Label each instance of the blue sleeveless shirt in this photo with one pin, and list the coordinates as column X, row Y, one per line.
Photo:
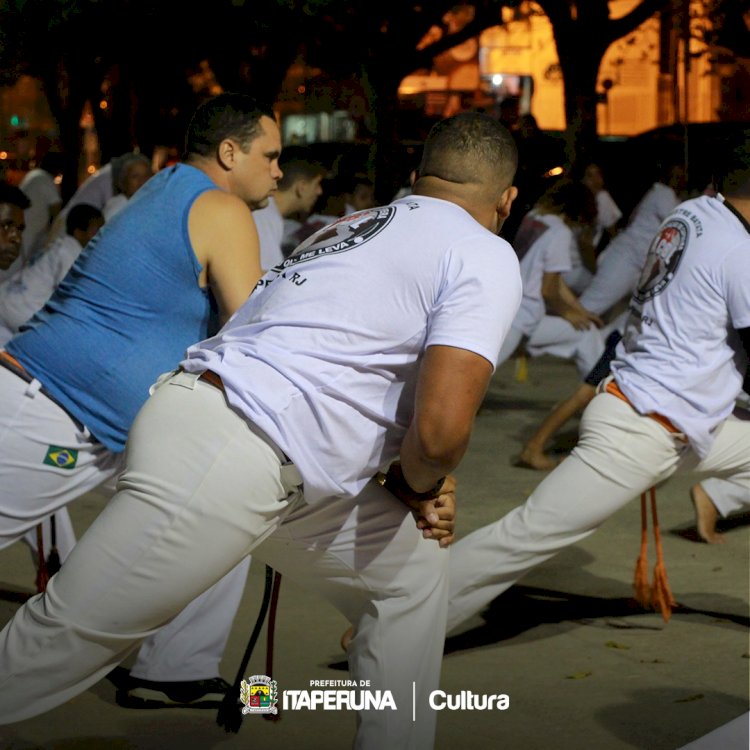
column 126, row 311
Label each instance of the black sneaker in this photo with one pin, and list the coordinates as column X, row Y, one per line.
column 137, row 693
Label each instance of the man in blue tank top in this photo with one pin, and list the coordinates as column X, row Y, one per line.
column 161, row 275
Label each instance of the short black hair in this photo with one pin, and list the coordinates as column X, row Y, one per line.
column 572, row 198
column 458, row 148
column 298, row 163
column 227, row 115
column 14, row 196
column 80, row 216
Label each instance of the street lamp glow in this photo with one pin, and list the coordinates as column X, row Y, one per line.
column 497, row 79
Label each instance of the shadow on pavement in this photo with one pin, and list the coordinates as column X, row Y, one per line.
column 521, row 609
column 723, row 525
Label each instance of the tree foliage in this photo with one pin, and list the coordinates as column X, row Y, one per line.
column 145, row 59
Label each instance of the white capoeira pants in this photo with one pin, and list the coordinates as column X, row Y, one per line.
column 727, row 497
column 617, row 274
column 620, row 454
column 555, row 336
column 32, row 430
column 200, row 491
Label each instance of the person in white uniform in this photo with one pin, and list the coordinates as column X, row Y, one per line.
column 551, row 320
column 134, row 170
column 608, row 213
column 26, row 291
column 619, row 266
column 95, row 190
column 295, row 195
column 42, row 190
column 668, row 406
column 72, row 381
column 341, row 365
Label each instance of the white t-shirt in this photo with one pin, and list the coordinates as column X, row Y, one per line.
column 39, row 186
column 607, row 212
column 656, row 204
column 22, row 294
column 607, row 215
column 270, row 225
column 324, row 355
column 543, row 242
column 677, row 357
column 95, row 190
column 114, row 205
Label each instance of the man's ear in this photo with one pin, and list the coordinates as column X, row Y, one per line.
column 505, row 202
column 225, row 154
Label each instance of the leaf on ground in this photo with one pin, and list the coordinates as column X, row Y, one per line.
column 578, row 675
column 615, row 644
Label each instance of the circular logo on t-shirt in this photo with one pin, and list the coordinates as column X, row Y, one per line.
column 662, row 260
column 346, row 233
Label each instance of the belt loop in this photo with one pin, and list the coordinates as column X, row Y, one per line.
column 32, row 388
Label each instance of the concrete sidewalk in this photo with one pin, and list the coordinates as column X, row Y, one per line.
column 583, row 667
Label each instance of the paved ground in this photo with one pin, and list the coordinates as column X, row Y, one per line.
column 582, row 667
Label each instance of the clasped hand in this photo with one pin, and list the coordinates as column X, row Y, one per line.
column 436, row 518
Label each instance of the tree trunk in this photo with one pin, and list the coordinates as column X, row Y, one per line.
column 384, row 106
column 580, row 73
column 66, row 87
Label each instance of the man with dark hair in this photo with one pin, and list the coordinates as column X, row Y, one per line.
column 295, row 195
column 148, row 285
column 13, row 202
column 367, row 351
column 667, row 407
column 359, row 193
column 26, row 291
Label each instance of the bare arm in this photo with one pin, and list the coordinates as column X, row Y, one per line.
column 561, row 301
column 452, row 383
column 225, row 241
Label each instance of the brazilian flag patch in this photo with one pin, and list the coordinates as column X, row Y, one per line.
column 62, row 458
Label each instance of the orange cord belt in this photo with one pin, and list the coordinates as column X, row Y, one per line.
column 656, row 595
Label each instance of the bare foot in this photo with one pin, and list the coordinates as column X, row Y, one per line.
column 534, row 459
column 346, row 638
column 706, row 515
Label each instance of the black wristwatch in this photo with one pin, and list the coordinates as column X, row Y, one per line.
column 395, row 482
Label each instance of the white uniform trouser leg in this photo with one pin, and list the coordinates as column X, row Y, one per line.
column 726, row 496
column 616, row 277
column 200, row 491
column 34, row 487
column 191, row 646
column 554, row 335
column 364, row 556
column 46, row 460
column 619, row 455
